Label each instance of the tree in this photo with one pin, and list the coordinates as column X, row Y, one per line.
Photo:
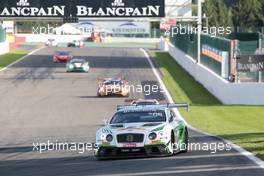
column 248, row 14
column 218, row 13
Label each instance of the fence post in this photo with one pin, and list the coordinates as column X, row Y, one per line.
column 260, row 52
column 199, row 23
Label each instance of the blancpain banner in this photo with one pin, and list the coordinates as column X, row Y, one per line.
column 82, row 8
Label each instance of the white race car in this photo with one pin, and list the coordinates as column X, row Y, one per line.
column 147, row 130
column 51, row 42
column 77, row 65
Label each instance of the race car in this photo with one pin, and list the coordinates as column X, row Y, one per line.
column 62, row 56
column 77, row 65
column 147, row 130
column 144, row 102
column 113, row 86
column 75, row 43
column 51, row 42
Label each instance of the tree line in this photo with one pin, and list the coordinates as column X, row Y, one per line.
column 242, row 15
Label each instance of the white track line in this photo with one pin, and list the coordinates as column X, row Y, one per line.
column 13, row 63
column 242, row 151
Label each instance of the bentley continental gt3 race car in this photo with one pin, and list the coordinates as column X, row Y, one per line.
column 77, row 65
column 146, row 130
column 112, row 86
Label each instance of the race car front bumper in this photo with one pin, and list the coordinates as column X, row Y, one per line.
column 110, row 152
column 78, row 69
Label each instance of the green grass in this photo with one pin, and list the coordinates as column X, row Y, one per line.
column 11, row 57
column 244, row 125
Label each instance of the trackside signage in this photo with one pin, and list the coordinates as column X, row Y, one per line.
column 82, row 8
column 250, row 63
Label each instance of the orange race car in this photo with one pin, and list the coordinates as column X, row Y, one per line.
column 112, row 86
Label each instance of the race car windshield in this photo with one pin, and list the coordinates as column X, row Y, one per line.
column 139, row 117
column 63, row 53
column 77, row 61
column 113, row 83
column 145, row 103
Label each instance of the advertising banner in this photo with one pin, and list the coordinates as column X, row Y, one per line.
column 8, row 26
column 115, row 27
column 82, row 8
column 250, row 63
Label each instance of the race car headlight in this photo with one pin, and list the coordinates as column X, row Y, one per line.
column 109, row 138
column 152, row 136
column 71, row 66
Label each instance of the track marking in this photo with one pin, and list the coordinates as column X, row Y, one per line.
column 22, row 58
column 239, row 149
column 185, row 171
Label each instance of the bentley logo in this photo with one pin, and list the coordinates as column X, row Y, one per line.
column 129, row 138
column 23, row 3
column 118, row 3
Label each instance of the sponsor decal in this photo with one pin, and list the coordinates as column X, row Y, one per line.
column 130, row 145
column 159, row 128
column 212, row 52
column 250, row 63
column 166, row 25
column 156, row 142
column 82, row 8
column 104, row 130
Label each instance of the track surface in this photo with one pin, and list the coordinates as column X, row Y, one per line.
column 40, row 102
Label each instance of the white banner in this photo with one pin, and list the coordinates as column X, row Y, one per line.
column 8, row 26
column 178, row 8
column 115, row 27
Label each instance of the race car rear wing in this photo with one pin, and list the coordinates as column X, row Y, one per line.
column 168, row 105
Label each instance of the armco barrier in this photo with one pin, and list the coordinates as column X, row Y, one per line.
column 226, row 92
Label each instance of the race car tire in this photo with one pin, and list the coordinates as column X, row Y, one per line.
column 171, row 145
column 186, row 141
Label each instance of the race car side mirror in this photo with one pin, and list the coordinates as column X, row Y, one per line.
column 105, row 121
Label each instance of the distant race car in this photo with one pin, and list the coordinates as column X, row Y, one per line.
column 150, row 130
column 75, row 43
column 62, row 56
column 112, row 86
column 51, row 42
column 77, row 65
column 145, row 102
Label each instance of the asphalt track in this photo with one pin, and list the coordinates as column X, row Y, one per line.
column 40, row 102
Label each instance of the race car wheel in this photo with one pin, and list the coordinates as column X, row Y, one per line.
column 171, row 146
column 186, row 141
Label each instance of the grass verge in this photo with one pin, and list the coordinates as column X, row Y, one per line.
column 243, row 125
column 11, row 57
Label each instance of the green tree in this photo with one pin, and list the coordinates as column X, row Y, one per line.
column 218, row 13
column 248, row 14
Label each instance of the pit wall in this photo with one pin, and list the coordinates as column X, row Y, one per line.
column 69, row 38
column 226, row 92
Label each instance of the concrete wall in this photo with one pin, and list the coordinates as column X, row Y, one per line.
column 226, row 92
column 4, row 47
